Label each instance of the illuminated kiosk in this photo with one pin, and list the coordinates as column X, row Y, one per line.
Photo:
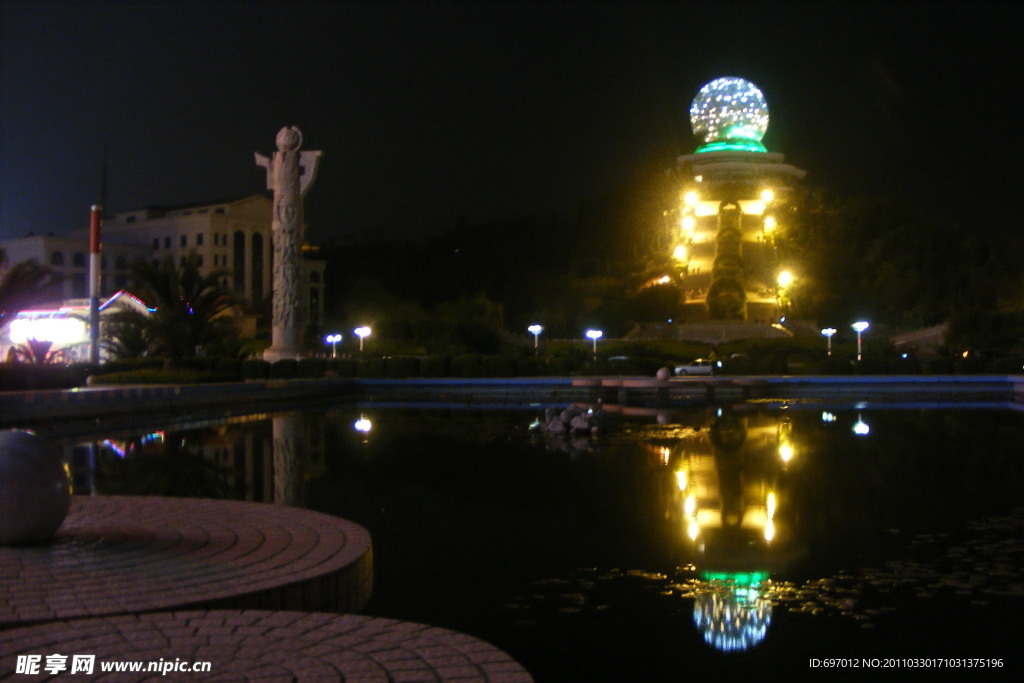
column 735, row 198
column 64, row 328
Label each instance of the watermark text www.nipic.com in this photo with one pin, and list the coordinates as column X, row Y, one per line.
column 906, row 663
column 86, row 664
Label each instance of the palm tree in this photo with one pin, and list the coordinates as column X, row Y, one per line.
column 23, row 286
column 189, row 311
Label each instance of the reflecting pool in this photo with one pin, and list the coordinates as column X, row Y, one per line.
column 657, row 545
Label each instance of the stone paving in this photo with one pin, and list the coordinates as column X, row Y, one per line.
column 255, row 645
column 117, row 555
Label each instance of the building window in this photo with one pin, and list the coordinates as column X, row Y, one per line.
column 167, row 242
column 221, row 210
column 257, row 266
column 57, row 258
column 182, row 261
column 78, row 286
column 78, row 259
column 200, row 260
column 184, row 240
column 130, row 219
column 156, row 242
column 239, row 261
column 199, row 240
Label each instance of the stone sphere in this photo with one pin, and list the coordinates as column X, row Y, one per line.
column 663, row 374
column 35, row 488
column 289, row 139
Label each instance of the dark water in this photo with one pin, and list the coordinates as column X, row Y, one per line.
column 736, row 541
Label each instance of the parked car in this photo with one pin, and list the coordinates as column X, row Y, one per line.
column 698, row 366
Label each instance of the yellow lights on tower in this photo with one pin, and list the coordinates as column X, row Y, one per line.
column 767, row 196
column 785, row 279
column 680, row 253
column 689, row 224
column 690, row 198
column 769, row 224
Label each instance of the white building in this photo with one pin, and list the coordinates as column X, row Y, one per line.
column 234, row 236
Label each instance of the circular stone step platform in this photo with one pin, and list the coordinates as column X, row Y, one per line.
column 124, row 554
column 265, row 646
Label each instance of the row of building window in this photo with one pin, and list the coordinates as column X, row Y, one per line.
column 78, row 259
column 219, row 240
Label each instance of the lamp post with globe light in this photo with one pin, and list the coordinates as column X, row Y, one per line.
column 362, row 333
column 595, row 335
column 828, row 332
column 333, row 340
column 859, row 327
column 535, row 330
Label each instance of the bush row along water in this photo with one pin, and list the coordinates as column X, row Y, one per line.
column 16, row 377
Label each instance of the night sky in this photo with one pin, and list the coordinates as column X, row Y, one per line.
column 430, row 112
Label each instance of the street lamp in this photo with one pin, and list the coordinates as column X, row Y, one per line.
column 535, row 330
column 362, row 332
column 595, row 335
column 828, row 332
column 860, row 327
column 333, row 340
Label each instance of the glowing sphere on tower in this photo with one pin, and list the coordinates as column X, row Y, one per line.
column 729, row 113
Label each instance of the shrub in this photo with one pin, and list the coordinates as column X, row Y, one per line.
column 310, row 368
column 530, row 366
column 871, row 365
column 229, row 368
column 286, row 368
column 399, row 367
column 434, row 366
column 342, row 367
column 497, row 366
column 742, row 364
column 467, row 365
column 370, row 368
column 939, row 366
column 1007, row 366
column 834, row 365
column 255, row 369
column 126, row 364
column 152, row 376
column 24, row 377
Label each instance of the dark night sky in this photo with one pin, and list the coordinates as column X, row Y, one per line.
column 427, row 112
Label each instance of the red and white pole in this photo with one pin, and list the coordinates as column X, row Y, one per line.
column 95, row 223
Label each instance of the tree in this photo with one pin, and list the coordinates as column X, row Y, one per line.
column 23, row 286
column 190, row 311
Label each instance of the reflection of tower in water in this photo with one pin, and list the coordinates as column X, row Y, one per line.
column 727, row 477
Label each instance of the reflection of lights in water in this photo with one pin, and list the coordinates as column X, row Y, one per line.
column 785, row 452
column 690, row 506
column 861, row 428
column 692, row 529
column 769, row 525
column 363, row 425
column 681, row 479
column 732, row 619
column 827, row 416
column 665, row 455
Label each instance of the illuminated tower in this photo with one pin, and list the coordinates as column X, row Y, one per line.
column 735, row 198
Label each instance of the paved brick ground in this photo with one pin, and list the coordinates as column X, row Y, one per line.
column 117, row 555
column 265, row 646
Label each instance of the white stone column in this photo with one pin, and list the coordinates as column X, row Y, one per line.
column 289, row 174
